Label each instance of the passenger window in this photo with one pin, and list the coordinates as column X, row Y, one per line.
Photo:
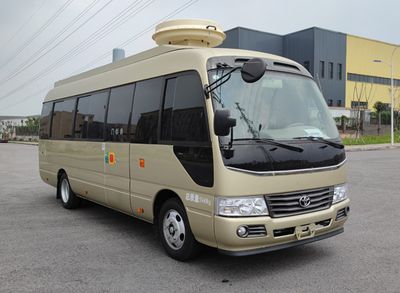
column 45, row 117
column 146, row 104
column 184, row 117
column 62, row 119
column 119, row 110
column 89, row 123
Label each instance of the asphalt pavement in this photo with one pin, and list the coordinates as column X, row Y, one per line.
column 46, row 248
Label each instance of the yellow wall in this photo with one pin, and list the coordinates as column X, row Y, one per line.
column 360, row 53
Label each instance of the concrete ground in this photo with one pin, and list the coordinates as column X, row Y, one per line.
column 45, row 248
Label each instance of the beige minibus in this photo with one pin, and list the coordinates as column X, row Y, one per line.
column 227, row 148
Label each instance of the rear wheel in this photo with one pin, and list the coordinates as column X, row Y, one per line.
column 68, row 198
column 175, row 233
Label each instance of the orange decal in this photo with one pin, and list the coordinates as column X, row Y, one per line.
column 111, row 158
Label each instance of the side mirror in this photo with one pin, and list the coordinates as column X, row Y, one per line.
column 253, row 70
column 223, row 122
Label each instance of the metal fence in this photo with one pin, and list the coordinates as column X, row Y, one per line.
column 368, row 122
column 27, row 131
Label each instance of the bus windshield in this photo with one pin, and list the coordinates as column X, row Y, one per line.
column 279, row 106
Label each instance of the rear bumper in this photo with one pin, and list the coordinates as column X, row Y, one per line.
column 230, row 243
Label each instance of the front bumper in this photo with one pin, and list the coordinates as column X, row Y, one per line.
column 229, row 243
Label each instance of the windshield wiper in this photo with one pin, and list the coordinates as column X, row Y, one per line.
column 320, row 139
column 271, row 141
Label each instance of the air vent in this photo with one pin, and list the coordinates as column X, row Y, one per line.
column 286, row 65
column 241, row 60
column 256, row 230
column 342, row 213
column 322, row 224
column 284, row 232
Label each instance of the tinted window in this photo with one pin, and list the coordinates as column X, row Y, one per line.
column 339, row 71
column 119, row 110
column 330, row 68
column 187, row 122
column 44, row 132
column 62, row 119
column 90, row 116
column 321, row 69
column 166, row 129
column 146, row 105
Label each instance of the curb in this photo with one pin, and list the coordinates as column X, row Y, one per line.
column 23, row 142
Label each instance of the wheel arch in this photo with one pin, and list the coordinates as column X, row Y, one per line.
column 161, row 197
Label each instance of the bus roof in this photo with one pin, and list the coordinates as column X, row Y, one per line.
column 164, row 59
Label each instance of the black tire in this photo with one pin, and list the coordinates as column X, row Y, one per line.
column 68, row 198
column 190, row 247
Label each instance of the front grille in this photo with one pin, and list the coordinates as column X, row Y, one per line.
column 288, row 204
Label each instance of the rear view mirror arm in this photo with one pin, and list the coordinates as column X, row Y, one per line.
column 220, row 81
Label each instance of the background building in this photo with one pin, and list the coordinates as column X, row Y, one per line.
column 19, row 127
column 341, row 64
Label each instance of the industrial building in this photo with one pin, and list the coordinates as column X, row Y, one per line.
column 351, row 71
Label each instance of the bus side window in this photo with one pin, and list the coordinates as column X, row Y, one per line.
column 62, row 119
column 90, row 115
column 45, row 117
column 183, row 117
column 146, row 104
column 119, row 111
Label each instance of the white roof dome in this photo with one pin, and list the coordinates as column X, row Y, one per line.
column 189, row 32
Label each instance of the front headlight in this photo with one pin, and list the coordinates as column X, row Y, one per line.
column 339, row 193
column 241, row 206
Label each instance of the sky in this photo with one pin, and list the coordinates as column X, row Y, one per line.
column 42, row 41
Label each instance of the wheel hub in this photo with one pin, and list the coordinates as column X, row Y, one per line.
column 174, row 229
column 64, row 191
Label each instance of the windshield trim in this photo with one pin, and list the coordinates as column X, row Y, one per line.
column 289, row 172
column 266, row 71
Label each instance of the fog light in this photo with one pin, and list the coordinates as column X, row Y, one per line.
column 242, row 231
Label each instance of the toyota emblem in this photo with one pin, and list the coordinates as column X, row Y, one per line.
column 304, row 201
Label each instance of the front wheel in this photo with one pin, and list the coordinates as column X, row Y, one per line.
column 175, row 233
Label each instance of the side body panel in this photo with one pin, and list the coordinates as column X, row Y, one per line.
column 116, row 176
column 163, row 171
column 82, row 161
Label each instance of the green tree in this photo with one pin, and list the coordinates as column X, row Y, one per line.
column 32, row 122
column 379, row 107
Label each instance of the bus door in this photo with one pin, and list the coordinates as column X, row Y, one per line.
column 87, row 177
column 116, row 149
